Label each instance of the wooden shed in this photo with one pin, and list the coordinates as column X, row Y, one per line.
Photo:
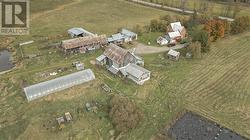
column 173, row 55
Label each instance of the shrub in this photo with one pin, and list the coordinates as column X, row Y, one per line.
column 124, row 113
column 240, row 25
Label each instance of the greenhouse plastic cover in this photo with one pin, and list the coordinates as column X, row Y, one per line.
column 45, row 88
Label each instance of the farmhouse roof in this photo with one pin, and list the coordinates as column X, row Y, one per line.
column 134, row 70
column 173, row 35
column 161, row 39
column 78, row 31
column 84, row 41
column 173, row 53
column 128, row 33
column 176, row 26
column 43, row 89
column 115, row 53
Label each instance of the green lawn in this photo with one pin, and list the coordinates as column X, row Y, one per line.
column 150, row 37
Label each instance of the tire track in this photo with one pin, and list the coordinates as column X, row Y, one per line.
column 205, row 74
column 199, row 86
column 218, row 67
column 222, row 85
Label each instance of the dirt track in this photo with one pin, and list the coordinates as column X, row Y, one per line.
column 61, row 7
column 172, row 8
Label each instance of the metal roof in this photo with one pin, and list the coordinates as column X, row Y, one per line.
column 134, row 70
column 161, row 39
column 176, row 26
column 84, row 41
column 115, row 53
column 78, row 31
column 116, row 37
column 128, row 33
column 174, row 34
column 100, row 58
column 113, row 70
column 45, row 88
column 173, row 53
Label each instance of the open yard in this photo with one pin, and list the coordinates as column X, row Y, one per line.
column 217, row 86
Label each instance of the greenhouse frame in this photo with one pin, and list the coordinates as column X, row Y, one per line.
column 45, row 88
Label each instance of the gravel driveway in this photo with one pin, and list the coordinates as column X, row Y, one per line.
column 146, row 49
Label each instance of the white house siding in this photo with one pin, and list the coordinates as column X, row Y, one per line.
column 133, row 78
column 141, row 80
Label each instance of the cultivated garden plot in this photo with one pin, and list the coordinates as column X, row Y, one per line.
column 194, row 127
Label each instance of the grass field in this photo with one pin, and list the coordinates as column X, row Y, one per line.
column 216, row 86
column 40, row 6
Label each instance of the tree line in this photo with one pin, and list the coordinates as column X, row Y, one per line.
column 202, row 29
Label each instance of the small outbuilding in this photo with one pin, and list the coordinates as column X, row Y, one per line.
column 79, row 32
column 124, row 36
column 117, row 39
column 162, row 41
column 173, row 55
column 68, row 117
column 80, row 66
column 129, row 35
column 101, row 60
column 60, row 121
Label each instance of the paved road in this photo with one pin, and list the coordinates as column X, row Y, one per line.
column 146, row 49
column 172, row 8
